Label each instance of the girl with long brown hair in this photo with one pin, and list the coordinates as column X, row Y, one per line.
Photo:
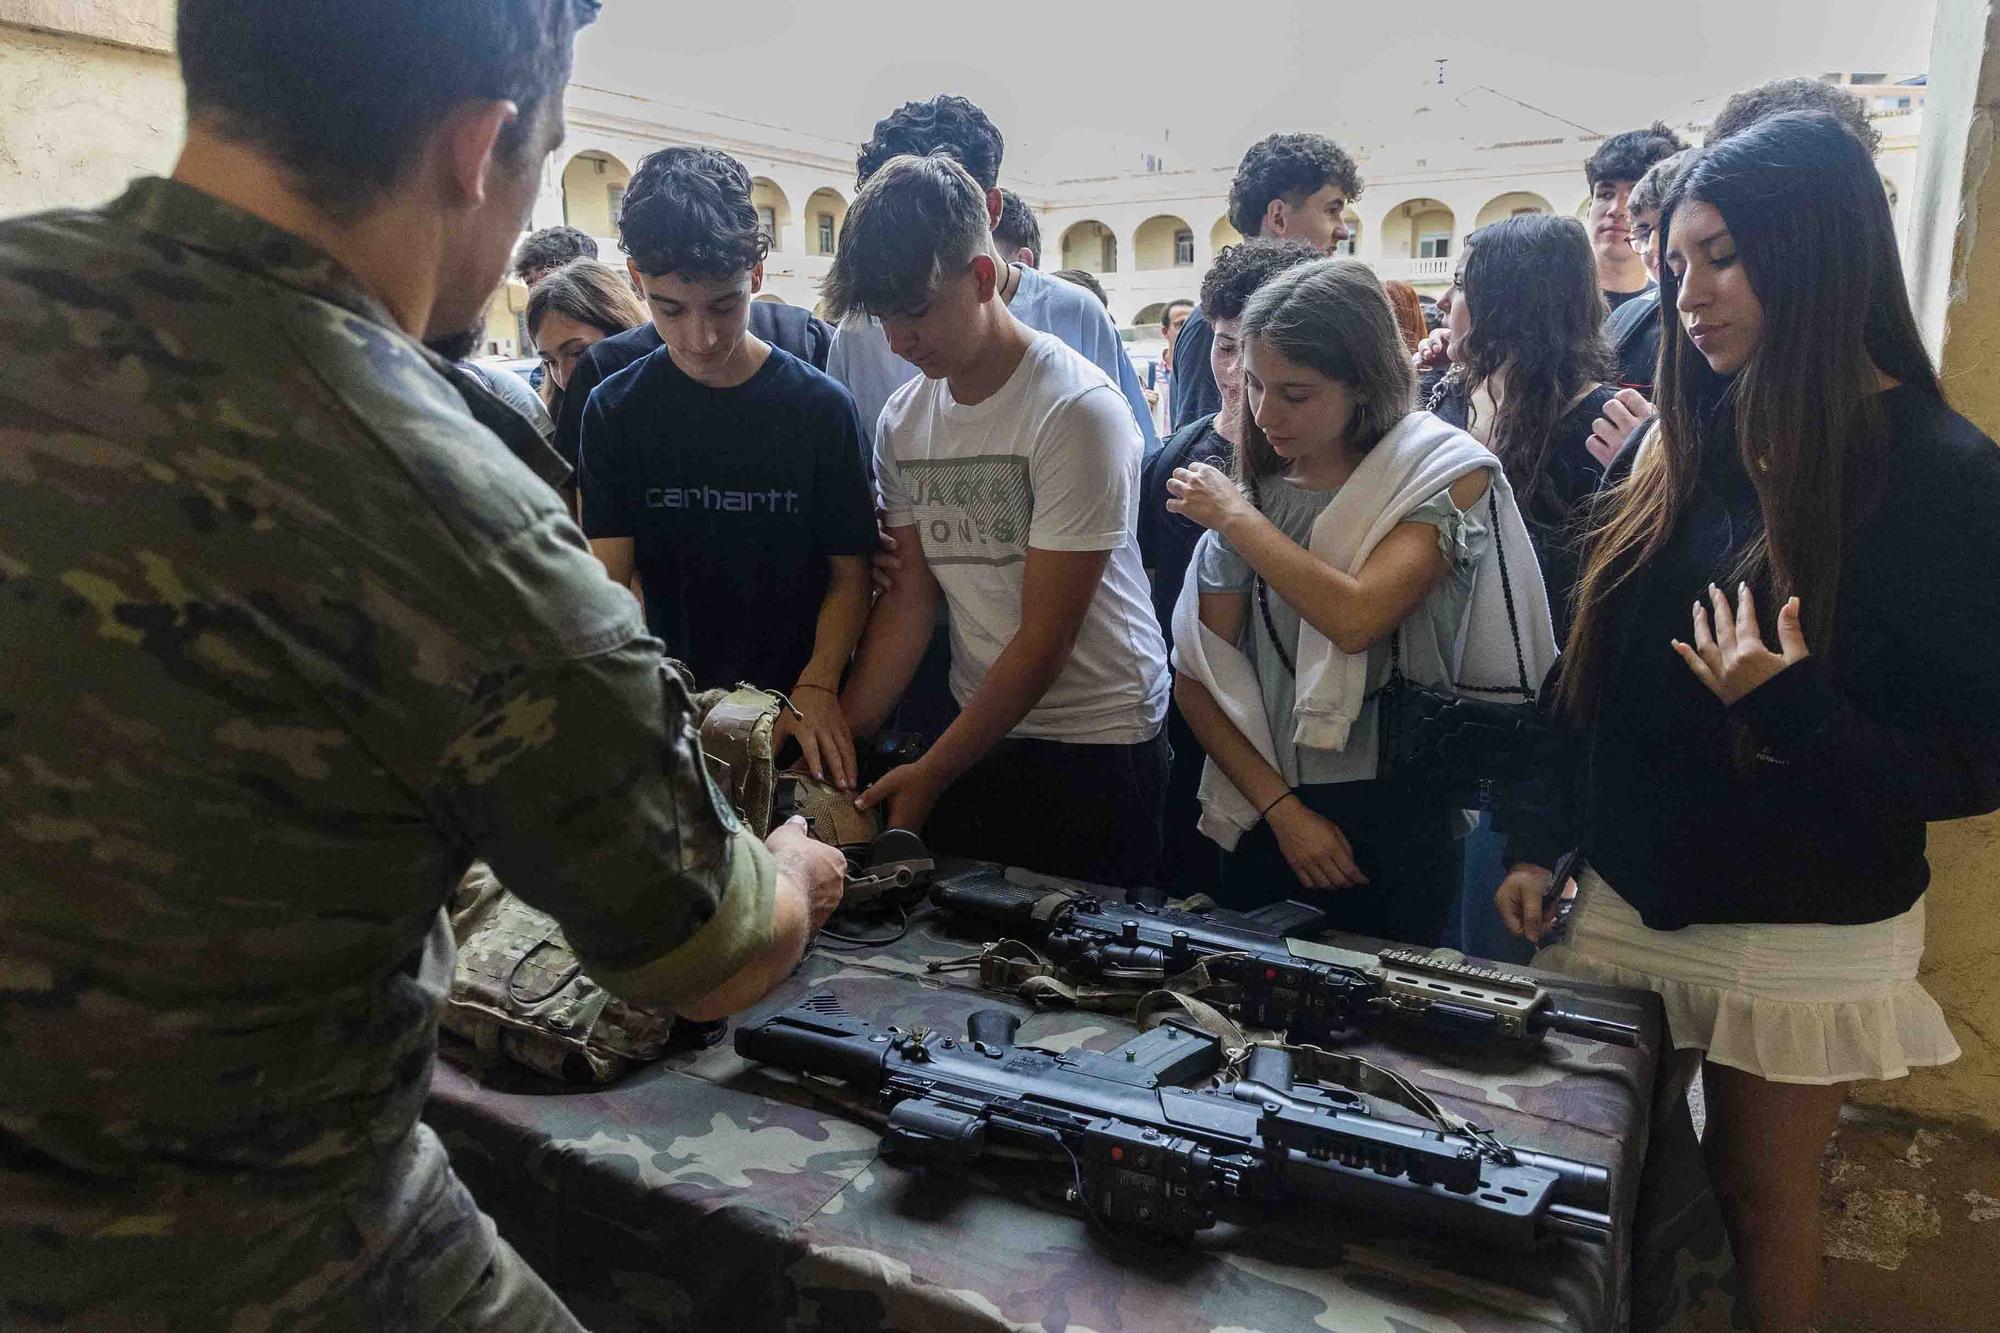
column 571, row 311
column 1752, row 805
column 1359, row 538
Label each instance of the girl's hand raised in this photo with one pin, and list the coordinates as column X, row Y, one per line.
column 1728, row 654
column 1206, row 495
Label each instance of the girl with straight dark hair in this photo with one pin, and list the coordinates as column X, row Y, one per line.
column 1357, row 536
column 1528, row 383
column 1785, row 660
column 571, row 311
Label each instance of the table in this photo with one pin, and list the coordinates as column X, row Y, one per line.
column 709, row 1193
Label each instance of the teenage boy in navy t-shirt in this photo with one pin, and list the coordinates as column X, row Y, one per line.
column 724, row 474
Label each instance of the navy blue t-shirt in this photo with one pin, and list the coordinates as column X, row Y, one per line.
column 1167, row 541
column 734, row 498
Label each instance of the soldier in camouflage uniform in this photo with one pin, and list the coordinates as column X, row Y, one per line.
column 290, row 638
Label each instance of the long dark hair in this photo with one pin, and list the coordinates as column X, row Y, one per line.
column 1331, row 316
column 1812, row 228
column 1530, row 285
column 589, row 293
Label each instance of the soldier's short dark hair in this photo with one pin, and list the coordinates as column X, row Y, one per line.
column 343, row 95
column 545, row 251
column 688, row 211
column 945, row 124
column 1017, row 229
column 1752, row 105
column 1239, row 270
column 1291, row 167
column 1625, row 156
column 917, row 220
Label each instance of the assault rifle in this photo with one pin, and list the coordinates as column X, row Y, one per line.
column 1313, row 992
column 1168, row 1159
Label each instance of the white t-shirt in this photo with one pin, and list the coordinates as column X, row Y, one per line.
column 861, row 360
column 1052, row 461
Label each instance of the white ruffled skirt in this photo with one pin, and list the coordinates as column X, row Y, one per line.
column 1792, row 1003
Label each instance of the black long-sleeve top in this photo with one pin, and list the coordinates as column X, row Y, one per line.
column 1571, row 475
column 1855, row 748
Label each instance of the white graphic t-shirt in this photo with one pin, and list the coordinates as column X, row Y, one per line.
column 1050, row 461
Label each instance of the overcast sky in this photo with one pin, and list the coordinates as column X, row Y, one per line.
column 1126, row 78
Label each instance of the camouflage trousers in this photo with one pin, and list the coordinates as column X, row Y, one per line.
column 409, row 1253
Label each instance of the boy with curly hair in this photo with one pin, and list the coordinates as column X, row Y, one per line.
column 1288, row 186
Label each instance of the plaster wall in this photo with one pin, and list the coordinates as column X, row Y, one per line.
column 79, row 118
column 1953, row 261
column 146, row 25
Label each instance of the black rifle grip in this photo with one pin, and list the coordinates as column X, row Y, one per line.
column 994, row 1027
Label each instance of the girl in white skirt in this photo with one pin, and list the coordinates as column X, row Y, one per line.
column 1752, row 808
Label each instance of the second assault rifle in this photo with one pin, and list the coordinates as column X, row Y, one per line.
column 1313, row 992
column 1168, row 1159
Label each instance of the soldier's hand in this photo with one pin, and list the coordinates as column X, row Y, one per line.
column 885, row 564
column 1622, row 414
column 812, row 865
column 1519, row 899
column 825, row 743
column 909, row 794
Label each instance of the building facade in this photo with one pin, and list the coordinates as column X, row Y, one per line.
column 1432, row 174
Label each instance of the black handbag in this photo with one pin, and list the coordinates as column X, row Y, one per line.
column 1473, row 753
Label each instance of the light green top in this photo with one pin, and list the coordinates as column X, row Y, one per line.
column 1428, row 634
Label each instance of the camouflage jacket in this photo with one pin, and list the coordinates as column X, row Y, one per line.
column 290, row 638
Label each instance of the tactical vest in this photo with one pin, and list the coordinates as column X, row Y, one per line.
column 519, row 991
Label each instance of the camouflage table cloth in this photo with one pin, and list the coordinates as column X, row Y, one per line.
column 709, row 1193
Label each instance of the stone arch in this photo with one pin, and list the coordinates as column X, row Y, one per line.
column 593, row 185
column 1510, row 204
column 1583, row 210
column 1163, row 241
column 1419, row 228
column 1090, row 246
column 1223, row 233
column 772, row 297
column 774, row 209
column 826, row 214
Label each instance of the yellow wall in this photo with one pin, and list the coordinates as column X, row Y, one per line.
column 1083, row 247
column 824, row 203
column 79, row 119
column 1223, row 233
column 1153, row 244
column 1402, row 228
column 587, row 192
column 1508, row 204
column 766, row 194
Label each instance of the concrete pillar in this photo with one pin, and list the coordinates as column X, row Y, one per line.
column 1953, row 262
